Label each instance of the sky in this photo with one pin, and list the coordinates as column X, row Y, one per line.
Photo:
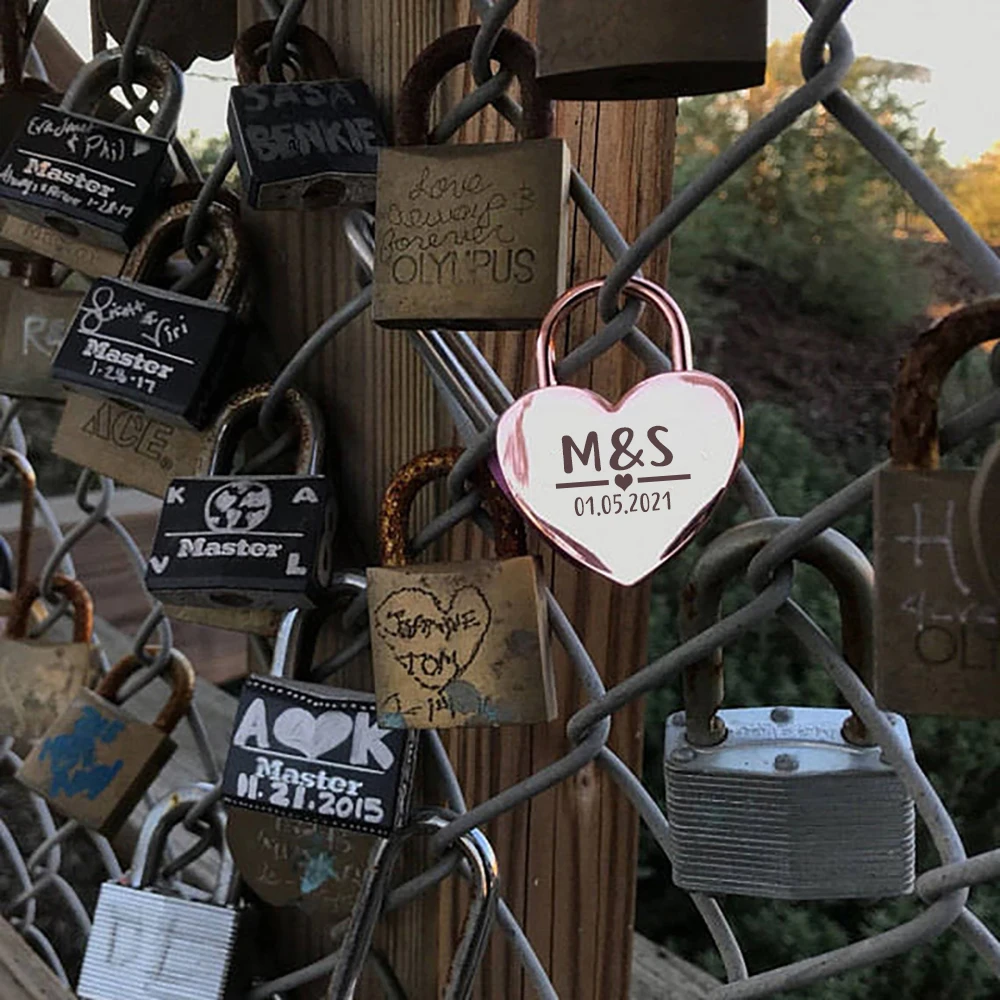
column 955, row 39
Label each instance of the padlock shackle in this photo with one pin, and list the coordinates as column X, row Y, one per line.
column 394, row 514
column 641, row 288
column 25, row 471
column 73, row 590
column 513, row 51
column 152, row 69
column 485, row 881
column 913, row 442
column 725, row 559
column 317, row 60
column 223, row 234
column 241, row 413
column 156, row 827
column 182, row 680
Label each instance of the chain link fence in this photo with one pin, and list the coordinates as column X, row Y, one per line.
column 38, row 895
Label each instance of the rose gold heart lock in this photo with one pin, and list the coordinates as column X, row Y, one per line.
column 621, row 488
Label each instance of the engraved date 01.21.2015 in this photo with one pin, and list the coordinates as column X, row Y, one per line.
column 631, row 503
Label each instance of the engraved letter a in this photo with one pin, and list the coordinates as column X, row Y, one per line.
column 590, row 445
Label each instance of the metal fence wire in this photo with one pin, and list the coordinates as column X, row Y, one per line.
column 36, row 876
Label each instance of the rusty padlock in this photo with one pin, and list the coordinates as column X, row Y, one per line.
column 39, row 679
column 608, row 50
column 311, row 142
column 937, row 639
column 164, row 352
column 463, row 643
column 470, row 236
column 34, row 316
column 96, row 760
column 93, row 181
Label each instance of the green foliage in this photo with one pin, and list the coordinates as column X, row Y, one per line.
column 204, row 150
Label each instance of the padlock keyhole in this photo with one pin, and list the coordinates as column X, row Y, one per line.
column 62, row 225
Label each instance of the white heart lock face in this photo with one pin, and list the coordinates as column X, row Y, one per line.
column 302, row 731
column 621, row 488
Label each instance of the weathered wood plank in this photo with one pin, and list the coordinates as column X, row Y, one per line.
column 23, row 975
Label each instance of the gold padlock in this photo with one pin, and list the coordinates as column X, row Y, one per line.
column 39, row 679
column 457, row 644
column 470, row 236
column 937, row 648
column 34, row 316
column 95, row 761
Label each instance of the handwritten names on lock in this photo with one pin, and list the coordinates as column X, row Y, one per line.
column 470, row 236
column 319, row 754
column 151, row 348
column 288, row 136
column 938, row 626
column 77, row 173
column 243, row 542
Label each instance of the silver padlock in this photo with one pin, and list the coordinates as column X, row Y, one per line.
column 485, row 882
column 146, row 943
column 783, row 802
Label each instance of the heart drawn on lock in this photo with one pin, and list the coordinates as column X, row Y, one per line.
column 312, row 735
column 434, row 640
column 622, row 487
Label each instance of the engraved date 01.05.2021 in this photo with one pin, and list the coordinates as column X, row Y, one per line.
column 631, row 503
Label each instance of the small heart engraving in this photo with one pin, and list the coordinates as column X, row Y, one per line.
column 624, row 481
column 159, row 563
column 301, row 730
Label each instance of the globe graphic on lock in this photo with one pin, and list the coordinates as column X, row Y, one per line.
column 237, row 506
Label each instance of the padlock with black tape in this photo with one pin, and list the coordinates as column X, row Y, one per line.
column 305, row 143
column 230, row 543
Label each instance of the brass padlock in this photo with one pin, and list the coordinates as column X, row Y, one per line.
column 39, row 679
column 937, row 639
column 96, row 760
column 470, row 236
column 164, row 352
column 311, row 142
column 93, row 181
column 33, row 321
column 608, row 50
column 457, row 644
column 984, row 505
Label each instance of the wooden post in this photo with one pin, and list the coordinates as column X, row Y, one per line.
column 567, row 858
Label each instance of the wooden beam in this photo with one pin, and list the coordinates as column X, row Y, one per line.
column 23, row 975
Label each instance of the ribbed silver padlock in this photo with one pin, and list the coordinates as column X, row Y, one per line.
column 147, row 944
column 485, row 882
column 783, row 802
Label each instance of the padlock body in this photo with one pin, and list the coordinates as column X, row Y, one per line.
column 307, row 143
column 232, row 542
column 460, row 644
column 600, row 50
column 95, row 762
column 786, row 808
column 937, row 638
column 157, row 350
column 470, row 236
column 91, row 180
column 316, row 753
column 134, row 448
column 38, row 682
column 146, row 946
column 34, row 322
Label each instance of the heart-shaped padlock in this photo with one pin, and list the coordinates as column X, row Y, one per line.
column 621, row 488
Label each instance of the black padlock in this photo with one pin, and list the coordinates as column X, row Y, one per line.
column 307, row 143
column 147, row 347
column 91, row 180
column 232, row 543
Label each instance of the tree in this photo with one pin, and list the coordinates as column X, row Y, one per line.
column 975, row 189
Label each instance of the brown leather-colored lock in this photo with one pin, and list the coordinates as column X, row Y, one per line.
column 937, row 646
column 463, row 643
column 39, row 679
column 34, row 317
column 608, row 50
column 307, row 142
column 96, row 760
column 470, row 236
column 984, row 505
